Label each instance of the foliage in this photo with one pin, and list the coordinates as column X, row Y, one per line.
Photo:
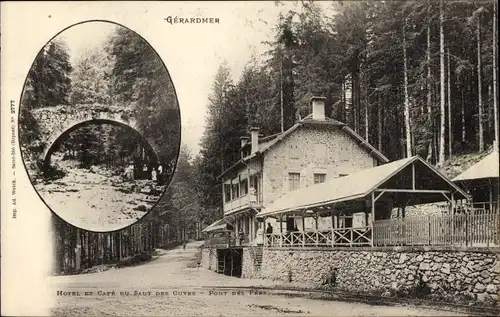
column 139, row 78
column 354, row 57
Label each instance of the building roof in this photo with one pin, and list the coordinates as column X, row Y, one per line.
column 217, row 225
column 267, row 143
column 486, row 168
column 354, row 186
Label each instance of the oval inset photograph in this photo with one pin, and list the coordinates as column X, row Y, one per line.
column 99, row 126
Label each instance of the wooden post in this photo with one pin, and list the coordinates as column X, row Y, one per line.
column 491, row 197
column 264, row 232
column 316, row 219
column 281, row 223
column 239, row 187
column 452, row 205
column 373, row 216
column 231, row 189
column 413, row 175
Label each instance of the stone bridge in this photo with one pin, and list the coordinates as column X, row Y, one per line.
column 57, row 122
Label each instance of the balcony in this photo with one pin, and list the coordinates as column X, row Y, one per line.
column 242, row 202
column 226, row 242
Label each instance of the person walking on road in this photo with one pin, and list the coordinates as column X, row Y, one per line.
column 184, row 245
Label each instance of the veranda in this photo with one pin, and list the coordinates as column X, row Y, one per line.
column 373, row 194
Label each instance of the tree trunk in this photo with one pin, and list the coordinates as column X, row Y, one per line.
column 281, row 97
column 442, row 94
column 429, row 91
column 354, row 102
column 407, row 102
column 379, row 121
column 463, row 117
column 479, row 87
column 366, row 114
column 495, row 70
column 450, row 134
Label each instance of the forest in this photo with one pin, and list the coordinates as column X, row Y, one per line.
column 410, row 77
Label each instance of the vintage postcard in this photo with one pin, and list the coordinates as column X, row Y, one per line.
column 239, row 158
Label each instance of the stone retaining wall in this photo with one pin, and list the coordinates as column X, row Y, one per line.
column 209, row 259
column 249, row 269
column 452, row 275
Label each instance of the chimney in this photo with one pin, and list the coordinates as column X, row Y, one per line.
column 254, row 137
column 318, row 108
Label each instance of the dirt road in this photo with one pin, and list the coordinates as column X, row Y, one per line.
column 193, row 292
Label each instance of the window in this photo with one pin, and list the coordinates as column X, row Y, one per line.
column 345, row 221
column 319, row 178
column 227, row 192
column 293, row 181
column 236, row 191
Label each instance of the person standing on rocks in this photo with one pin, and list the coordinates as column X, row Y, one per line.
column 154, row 175
column 160, row 175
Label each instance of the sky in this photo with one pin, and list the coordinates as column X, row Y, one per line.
column 242, row 32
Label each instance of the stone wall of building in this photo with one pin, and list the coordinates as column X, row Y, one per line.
column 310, row 151
column 452, row 275
column 209, row 259
column 249, row 268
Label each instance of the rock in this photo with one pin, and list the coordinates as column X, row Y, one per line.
column 485, row 274
column 464, row 271
column 402, row 258
column 488, row 261
column 386, row 294
column 424, row 266
column 479, row 288
column 445, row 268
column 410, row 277
column 420, row 258
column 394, row 285
column 482, row 297
column 491, row 289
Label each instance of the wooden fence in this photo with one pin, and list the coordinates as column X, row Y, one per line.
column 469, row 229
column 480, row 229
column 360, row 236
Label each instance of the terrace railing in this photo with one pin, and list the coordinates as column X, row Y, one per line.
column 479, row 229
column 321, row 238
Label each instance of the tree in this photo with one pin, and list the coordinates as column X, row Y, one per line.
column 407, row 102
column 141, row 83
column 442, row 85
column 495, row 70
column 90, row 78
column 477, row 18
column 48, row 83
